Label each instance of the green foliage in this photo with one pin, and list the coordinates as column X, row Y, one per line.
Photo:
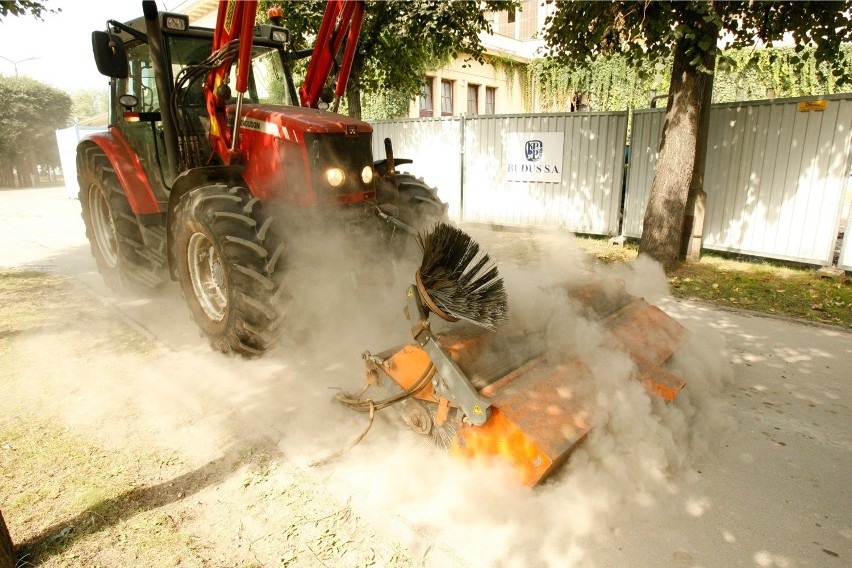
column 613, row 82
column 741, row 74
column 383, row 105
column 578, row 31
column 30, row 114
column 89, row 103
column 24, row 7
column 622, row 51
column 747, row 73
column 515, row 70
column 765, row 286
column 400, row 40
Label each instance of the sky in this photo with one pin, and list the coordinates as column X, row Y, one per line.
column 61, row 43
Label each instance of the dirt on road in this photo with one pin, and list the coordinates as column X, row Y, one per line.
column 125, row 442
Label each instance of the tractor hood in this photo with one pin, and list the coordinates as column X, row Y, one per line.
column 292, row 123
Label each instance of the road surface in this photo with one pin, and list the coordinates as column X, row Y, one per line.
column 754, row 468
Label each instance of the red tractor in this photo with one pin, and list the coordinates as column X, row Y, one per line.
column 213, row 157
column 209, row 188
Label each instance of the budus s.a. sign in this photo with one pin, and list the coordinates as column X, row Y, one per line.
column 534, row 156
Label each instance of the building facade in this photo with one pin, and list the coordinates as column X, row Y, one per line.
column 463, row 86
column 467, row 87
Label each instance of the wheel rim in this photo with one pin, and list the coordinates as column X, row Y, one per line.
column 103, row 226
column 207, row 276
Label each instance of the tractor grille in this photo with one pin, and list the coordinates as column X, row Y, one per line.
column 350, row 153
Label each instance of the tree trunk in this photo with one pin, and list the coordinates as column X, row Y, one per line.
column 19, row 171
column 693, row 225
column 353, row 95
column 7, row 553
column 7, row 175
column 663, row 224
column 33, row 165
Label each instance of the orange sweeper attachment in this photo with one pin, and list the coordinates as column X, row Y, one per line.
column 488, row 394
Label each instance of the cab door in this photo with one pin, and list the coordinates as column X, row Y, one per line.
column 136, row 115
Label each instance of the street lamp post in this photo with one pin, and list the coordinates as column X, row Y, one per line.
column 15, row 63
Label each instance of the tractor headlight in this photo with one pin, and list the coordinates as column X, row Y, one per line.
column 367, row 174
column 335, row 177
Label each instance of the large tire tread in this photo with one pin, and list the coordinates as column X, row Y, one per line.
column 243, row 236
column 139, row 268
column 419, row 203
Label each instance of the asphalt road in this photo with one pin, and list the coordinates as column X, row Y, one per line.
column 775, row 489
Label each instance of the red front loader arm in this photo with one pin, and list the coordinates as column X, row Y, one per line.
column 342, row 20
column 234, row 21
column 233, row 37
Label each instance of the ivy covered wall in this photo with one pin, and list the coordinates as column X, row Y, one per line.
column 614, row 85
column 743, row 74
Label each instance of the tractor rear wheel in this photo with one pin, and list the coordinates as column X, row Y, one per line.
column 230, row 266
column 115, row 237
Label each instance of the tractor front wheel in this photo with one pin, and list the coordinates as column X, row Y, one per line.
column 230, row 267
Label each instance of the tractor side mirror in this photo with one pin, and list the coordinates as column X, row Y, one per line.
column 110, row 55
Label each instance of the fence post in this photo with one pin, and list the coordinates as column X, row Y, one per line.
column 461, row 168
column 696, row 205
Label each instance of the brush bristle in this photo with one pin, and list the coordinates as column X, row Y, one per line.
column 458, row 282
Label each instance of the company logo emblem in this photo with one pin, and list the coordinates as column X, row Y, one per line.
column 534, row 150
column 526, row 160
column 351, row 130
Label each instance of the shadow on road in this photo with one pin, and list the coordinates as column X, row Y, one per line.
column 58, row 537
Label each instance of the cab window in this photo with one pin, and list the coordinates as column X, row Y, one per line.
column 140, row 81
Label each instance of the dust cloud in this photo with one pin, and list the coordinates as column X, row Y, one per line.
column 636, row 456
column 638, row 452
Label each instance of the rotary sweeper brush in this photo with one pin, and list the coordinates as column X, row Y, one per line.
column 488, row 394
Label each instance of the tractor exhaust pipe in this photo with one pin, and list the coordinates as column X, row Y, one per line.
column 389, row 156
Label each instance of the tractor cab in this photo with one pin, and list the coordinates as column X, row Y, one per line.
column 136, row 109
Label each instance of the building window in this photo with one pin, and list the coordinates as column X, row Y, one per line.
column 528, row 20
column 446, row 98
column 426, row 97
column 472, row 99
column 490, row 96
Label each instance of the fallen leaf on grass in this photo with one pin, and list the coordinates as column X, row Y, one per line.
column 64, row 533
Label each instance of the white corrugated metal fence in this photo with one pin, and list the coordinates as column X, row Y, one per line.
column 775, row 175
column 435, row 147
column 585, row 199
column 586, row 196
